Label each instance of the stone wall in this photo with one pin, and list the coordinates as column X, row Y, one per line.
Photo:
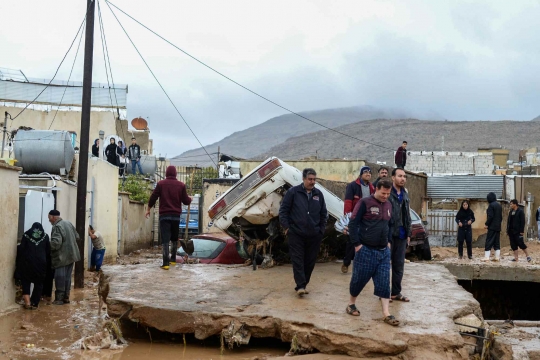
column 136, row 230
column 439, row 162
column 9, row 215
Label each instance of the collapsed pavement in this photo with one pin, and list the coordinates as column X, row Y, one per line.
column 206, row 299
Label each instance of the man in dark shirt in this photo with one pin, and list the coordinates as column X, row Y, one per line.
column 369, row 232
column 493, row 226
column 303, row 216
column 401, row 156
column 515, row 228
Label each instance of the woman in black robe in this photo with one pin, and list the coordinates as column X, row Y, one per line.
column 33, row 259
column 111, row 152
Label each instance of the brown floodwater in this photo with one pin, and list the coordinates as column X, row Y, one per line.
column 52, row 331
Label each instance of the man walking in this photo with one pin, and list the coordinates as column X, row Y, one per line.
column 356, row 190
column 401, row 156
column 171, row 194
column 515, row 228
column 372, row 260
column 134, row 155
column 401, row 230
column 64, row 253
column 383, row 174
column 493, row 226
column 303, row 216
column 98, row 249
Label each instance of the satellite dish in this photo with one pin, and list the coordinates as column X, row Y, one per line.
column 139, row 123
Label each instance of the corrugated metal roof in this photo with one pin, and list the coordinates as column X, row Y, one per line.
column 464, row 187
column 25, row 92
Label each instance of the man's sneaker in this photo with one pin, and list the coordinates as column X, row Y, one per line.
column 344, row 269
column 165, row 267
column 300, row 292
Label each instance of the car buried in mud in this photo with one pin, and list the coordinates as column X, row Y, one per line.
column 249, row 211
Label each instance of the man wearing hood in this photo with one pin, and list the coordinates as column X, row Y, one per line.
column 171, row 194
column 493, row 226
column 356, row 190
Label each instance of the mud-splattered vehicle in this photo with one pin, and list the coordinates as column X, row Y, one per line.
column 249, row 211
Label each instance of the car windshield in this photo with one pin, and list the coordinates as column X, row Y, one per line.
column 204, row 248
column 414, row 216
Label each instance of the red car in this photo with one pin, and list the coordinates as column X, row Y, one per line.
column 419, row 237
column 215, row 248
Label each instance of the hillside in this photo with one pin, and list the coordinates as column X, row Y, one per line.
column 259, row 139
column 420, row 134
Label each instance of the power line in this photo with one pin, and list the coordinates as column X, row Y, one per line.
column 242, row 86
column 58, row 68
column 69, row 78
column 161, row 86
column 108, row 63
column 192, row 156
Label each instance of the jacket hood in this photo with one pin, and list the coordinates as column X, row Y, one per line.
column 491, row 197
column 95, row 141
column 171, row 172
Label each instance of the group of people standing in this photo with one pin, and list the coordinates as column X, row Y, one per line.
column 379, row 231
column 41, row 259
column 119, row 155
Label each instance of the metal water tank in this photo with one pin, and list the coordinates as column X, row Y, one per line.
column 40, row 151
column 148, row 165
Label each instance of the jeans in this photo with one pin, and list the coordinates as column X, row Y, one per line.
column 465, row 234
column 398, row 247
column 138, row 164
column 96, row 259
column 303, row 252
column 169, row 232
column 36, row 294
column 62, row 280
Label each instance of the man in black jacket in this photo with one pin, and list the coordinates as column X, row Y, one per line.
column 493, row 226
column 515, row 228
column 401, row 230
column 134, row 155
column 303, row 216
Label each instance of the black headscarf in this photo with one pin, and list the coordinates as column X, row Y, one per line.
column 36, row 234
column 33, row 254
column 465, row 215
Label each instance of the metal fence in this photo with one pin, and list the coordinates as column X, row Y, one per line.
column 442, row 227
column 193, row 177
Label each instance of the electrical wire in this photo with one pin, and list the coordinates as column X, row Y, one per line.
column 242, row 86
column 192, row 156
column 159, row 83
column 58, row 68
column 69, row 78
column 107, row 62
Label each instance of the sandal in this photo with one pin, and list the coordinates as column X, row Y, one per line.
column 352, row 310
column 400, row 297
column 391, row 320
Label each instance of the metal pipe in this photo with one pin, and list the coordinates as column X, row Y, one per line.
column 4, row 130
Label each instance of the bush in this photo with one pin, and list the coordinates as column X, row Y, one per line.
column 137, row 187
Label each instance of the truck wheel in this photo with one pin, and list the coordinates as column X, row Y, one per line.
column 426, row 250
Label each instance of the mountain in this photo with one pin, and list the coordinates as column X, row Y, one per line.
column 420, row 135
column 260, row 138
column 536, row 118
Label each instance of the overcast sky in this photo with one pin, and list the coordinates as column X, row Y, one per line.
column 465, row 60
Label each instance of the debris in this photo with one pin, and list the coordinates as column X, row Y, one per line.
column 506, row 254
column 407, row 261
column 471, row 320
column 234, row 334
column 108, row 338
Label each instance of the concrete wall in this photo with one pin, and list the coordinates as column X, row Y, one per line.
column 439, row 162
column 136, row 229
column 212, row 189
column 65, row 120
column 106, row 200
column 338, row 170
column 9, row 215
column 523, row 186
column 141, row 136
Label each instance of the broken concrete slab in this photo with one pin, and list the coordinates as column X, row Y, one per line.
column 205, row 299
column 504, row 270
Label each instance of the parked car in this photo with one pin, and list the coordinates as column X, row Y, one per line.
column 419, row 237
column 193, row 226
column 216, row 248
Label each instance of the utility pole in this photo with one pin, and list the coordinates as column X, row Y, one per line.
column 85, row 141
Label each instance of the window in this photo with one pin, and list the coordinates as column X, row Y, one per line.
column 204, row 248
column 414, row 216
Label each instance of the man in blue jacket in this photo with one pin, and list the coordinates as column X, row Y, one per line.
column 303, row 216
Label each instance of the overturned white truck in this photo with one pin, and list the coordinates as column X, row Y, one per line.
column 249, row 211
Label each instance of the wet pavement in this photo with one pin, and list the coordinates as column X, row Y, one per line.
column 205, row 299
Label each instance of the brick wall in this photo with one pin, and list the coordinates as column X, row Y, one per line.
column 450, row 162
